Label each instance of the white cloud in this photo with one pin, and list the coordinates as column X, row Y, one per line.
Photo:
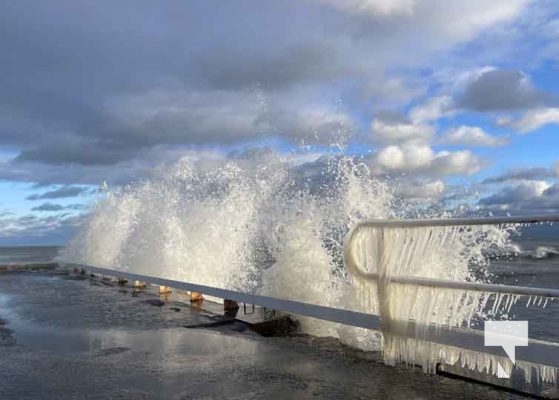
column 421, row 159
column 448, row 21
column 400, row 131
column 372, row 7
column 432, row 109
column 52, row 229
column 456, row 163
column 473, row 136
column 527, row 195
column 535, row 119
column 405, row 157
column 422, row 190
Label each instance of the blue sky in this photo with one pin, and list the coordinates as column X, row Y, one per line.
column 438, row 94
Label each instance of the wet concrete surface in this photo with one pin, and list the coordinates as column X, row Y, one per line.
column 64, row 337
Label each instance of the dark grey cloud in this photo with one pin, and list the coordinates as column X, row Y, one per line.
column 499, row 90
column 528, row 197
column 227, row 68
column 48, row 207
column 42, row 175
column 5, row 213
column 59, row 193
column 534, row 173
column 39, row 230
column 96, row 85
column 76, row 151
column 510, row 195
column 118, row 81
column 53, row 207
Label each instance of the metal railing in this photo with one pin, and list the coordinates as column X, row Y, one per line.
column 539, row 352
column 353, row 266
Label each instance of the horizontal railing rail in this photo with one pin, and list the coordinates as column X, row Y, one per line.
column 425, row 222
column 472, row 286
column 540, row 352
column 354, row 267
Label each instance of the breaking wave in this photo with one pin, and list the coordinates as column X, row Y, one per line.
column 542, row 253
column 265, row 223
column 514, row 251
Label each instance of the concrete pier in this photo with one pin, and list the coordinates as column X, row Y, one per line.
column 112, row 343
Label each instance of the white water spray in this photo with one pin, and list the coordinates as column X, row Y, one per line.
column 265, row 224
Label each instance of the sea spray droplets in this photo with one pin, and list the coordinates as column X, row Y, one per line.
column 191, row 224
column 237, row 223
column 262, row 223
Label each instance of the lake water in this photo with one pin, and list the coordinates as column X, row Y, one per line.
column 27, row 254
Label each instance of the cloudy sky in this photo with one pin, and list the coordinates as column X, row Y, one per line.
column 446, row 93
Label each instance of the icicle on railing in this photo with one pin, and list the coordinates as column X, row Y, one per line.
column 391, row 256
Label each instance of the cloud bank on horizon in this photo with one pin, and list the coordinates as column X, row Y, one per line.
column 440, row 94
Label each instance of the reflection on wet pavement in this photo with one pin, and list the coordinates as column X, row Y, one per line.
column 75, row 338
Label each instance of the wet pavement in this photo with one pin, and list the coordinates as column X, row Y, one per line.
column 69, row 337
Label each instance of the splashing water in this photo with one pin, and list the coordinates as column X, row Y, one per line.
column 266, row 224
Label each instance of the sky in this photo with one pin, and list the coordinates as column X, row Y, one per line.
column 455, row 96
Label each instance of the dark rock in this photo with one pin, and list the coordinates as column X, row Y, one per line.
column 178, row 304
column 214, row 322
column 154, row 302
column 6, row 337
column 75, row 277
column 111, row 351
column 230, row 305
column 281, row 326
column 239, row 328
column 231, row 313
column 230, row 308
column 176, row 309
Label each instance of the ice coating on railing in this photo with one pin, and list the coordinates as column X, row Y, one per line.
column 440, row 253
